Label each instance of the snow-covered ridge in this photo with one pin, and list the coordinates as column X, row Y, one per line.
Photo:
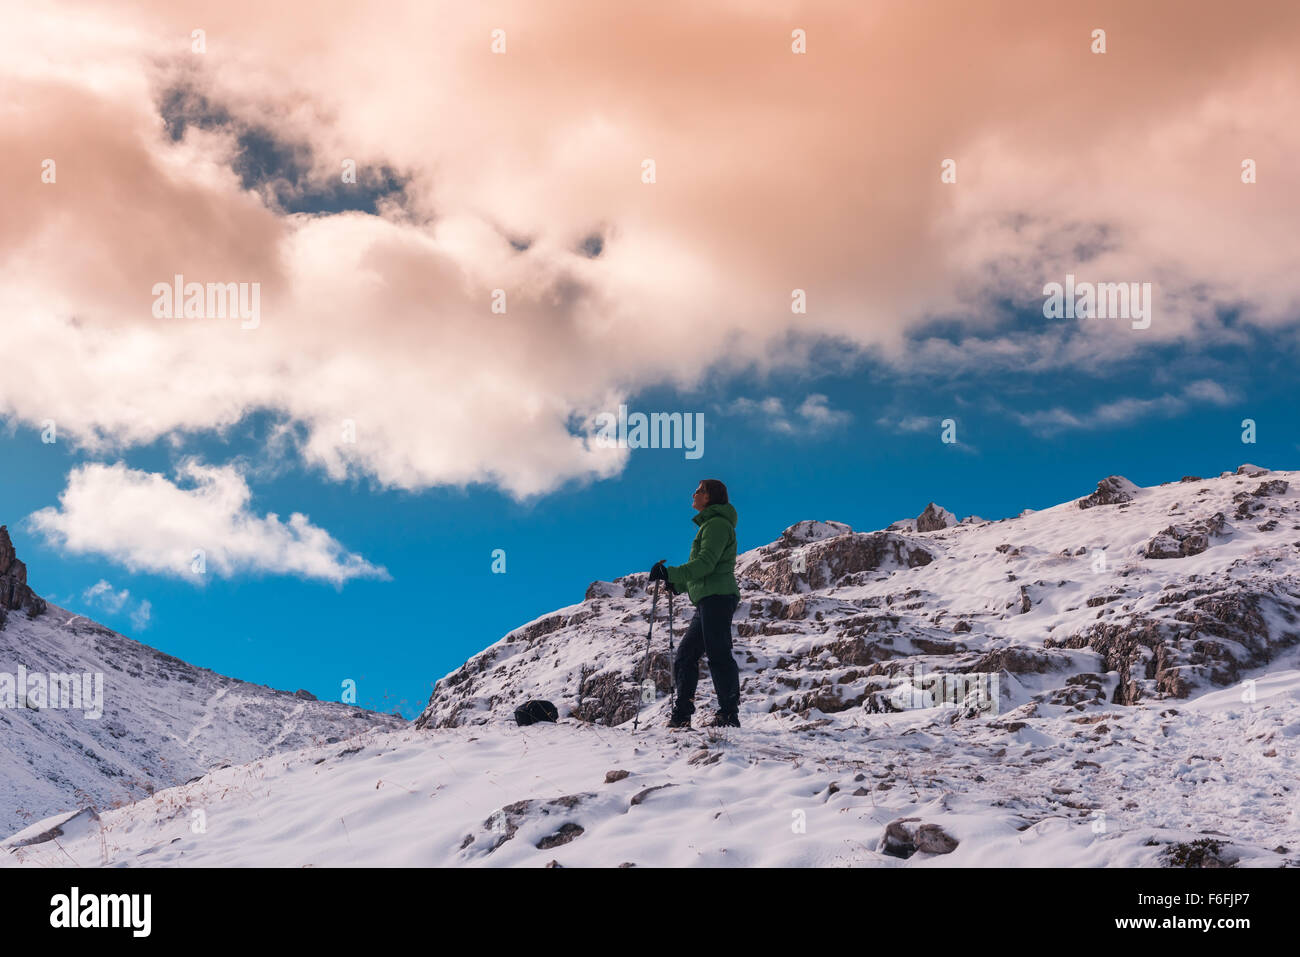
column 1124, row 595
column 164, row 721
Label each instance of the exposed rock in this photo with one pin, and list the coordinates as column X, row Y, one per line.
column 612, row 777
column 502, row 825
column 74, row 823
column 640, row 796
column 14, row 593
column 566, row 833
column 1112, row 490
column 828, row 561
column 934, row 518
column 906, row 836
column 1180, row 541
column 801, row 533
column 1015, row 661
column 1254, row 471
column 612, row 697
column 600, row 589
column 1249, row 502
column 1218, row 637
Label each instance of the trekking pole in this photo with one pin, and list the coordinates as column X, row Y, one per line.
column 672, row 672
column 640, row 694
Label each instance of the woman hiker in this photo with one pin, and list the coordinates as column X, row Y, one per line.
column 709, row 579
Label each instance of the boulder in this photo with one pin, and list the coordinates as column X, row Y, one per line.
column 1112, row 490
column 906, row 836
column 1180, row 541
column 934, row 518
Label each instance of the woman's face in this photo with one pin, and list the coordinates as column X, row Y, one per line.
column 701, row 498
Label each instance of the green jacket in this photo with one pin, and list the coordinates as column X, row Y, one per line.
column 711, row 569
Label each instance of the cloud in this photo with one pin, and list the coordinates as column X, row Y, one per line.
column 103, row 595
column 140, row 617
column 910, row 423
column 147, row 522
column 521, row 172
column 816, row 411
column 813, row 414
column 1127, row 410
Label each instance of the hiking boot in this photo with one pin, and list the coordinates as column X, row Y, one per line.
column 725, row 719
column 679, row 719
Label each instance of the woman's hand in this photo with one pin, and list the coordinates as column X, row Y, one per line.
column 658, row 573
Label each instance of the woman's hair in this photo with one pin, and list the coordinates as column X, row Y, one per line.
column 717, row 491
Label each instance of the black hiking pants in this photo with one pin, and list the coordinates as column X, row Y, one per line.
column 708, row 633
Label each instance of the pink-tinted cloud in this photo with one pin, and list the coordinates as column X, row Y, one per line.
column 775, row 172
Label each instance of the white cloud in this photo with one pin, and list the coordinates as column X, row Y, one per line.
column 816, row 411
column 1127, row 409
column 813, row 414
column 910, row 423
column 147, row 522
column 103, row 595
column 140, row 617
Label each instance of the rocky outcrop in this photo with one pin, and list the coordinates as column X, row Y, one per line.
column 802, row 533
column 1215, row 637
column 935, row 517
column 1248, row 503
column 503, row 824
column 14, row 593
column 826, row 562
column 1112, row 490
column 1180, row 541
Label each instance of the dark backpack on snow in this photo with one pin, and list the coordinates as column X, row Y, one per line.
column 532, row 712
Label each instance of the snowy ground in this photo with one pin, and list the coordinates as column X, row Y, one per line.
column 1120, row 791
column 1148, row 713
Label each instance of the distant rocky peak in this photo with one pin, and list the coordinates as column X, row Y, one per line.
column 1112, row 490
column 14, row 593
column 801, row 533
column 934, row 518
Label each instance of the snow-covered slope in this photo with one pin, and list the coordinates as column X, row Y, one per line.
column 164, row 722
column 1123, row 596
column 1147, row 713
column 1204, row 781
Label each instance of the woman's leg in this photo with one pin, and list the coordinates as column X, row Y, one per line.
column 715, row 613
column 686, row 666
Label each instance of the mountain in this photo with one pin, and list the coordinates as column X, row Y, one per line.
column 163, row 721
column 1123, row 596
column 1123, row 676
